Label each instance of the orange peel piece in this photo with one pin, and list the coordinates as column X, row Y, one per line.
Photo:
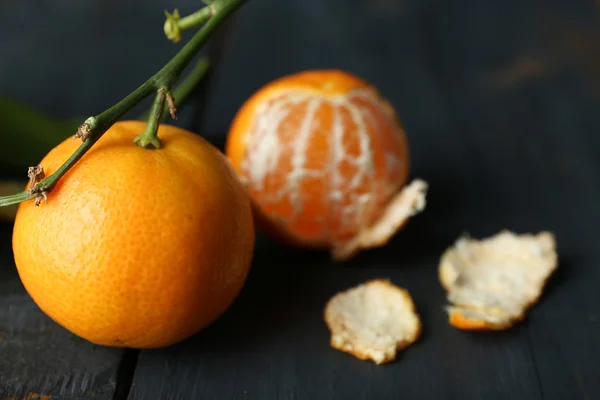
column 372, row 321
column 410, row 201
column 491, row 283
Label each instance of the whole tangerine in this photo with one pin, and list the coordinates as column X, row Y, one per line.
column 137, row 248
column 325, row 160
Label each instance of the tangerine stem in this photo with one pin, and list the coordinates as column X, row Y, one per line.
column 149, row 139
column 8, row 213
column 16, row 198
column 94, row 127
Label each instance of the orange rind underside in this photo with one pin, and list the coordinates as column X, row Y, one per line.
column 373, row 321
column 491, row 283
column 322, row 156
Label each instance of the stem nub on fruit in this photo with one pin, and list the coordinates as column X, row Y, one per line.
column 149, row 139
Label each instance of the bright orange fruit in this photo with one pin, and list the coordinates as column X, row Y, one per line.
column 324, row 158
column 137, row 248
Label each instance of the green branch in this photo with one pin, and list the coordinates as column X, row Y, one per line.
column 174, row 24
column 6, row 187
column 185, row 88
column 26, row 134
column 94, row 127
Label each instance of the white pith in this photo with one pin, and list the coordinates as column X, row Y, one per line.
column 264, row 150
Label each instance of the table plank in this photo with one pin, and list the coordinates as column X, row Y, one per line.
column 531, row 116
column 460, row 76
column 566, row 333
column 273, row 344
column 39, row 357
column 500, row 102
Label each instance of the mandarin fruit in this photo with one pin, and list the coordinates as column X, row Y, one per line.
column 137, row 248
column 325, row 161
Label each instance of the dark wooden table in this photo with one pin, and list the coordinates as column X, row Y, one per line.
column 501, row 101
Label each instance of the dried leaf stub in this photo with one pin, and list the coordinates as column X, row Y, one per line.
column 36, row 175
column 372, row 321
column 491, row 283
column 408, row 203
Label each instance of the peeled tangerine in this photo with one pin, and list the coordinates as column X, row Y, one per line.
column 326, row 162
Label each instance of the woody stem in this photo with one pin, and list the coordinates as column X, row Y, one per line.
column 94, row 127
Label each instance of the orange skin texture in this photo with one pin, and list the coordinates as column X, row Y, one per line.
column 137, row 248
column 460, row 321
column 336, row 139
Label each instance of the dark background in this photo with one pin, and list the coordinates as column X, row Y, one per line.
column 501, row 104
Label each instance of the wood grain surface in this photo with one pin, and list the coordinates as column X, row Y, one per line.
column 499, row 100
